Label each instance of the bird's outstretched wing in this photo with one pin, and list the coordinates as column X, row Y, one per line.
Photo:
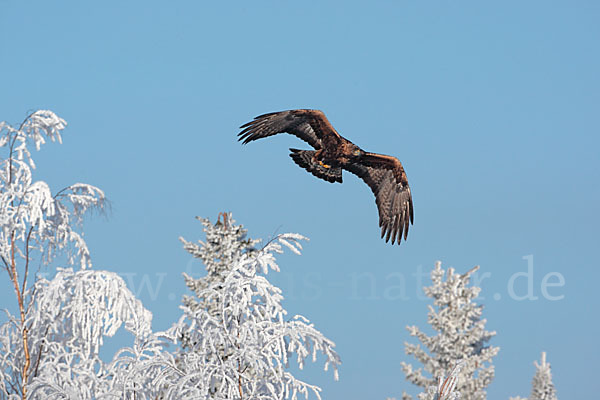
column 387, row 179
column 309, row 125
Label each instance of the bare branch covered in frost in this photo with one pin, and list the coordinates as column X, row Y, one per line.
column 30, row 214
column 34, row 223
column 71, row 315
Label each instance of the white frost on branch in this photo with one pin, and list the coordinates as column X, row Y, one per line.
column 542, row 387
column 30, row 214
column 460, row 336
column 445, row 389
column 67, row 322
column 37, row 127
column 237, row 340
column 35, row 226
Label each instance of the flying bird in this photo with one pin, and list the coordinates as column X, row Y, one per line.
column 333, row 153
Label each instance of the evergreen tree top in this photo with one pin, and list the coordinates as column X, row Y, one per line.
column 460, row 337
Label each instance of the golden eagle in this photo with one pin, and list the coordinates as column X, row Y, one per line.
column 384, row 174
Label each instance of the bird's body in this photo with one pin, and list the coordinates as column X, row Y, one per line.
column 334, row 153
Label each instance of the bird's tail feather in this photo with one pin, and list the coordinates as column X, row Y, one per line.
column 306, row 159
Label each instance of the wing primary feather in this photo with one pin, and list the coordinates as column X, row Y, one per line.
column 304, row 124
column 387, row 180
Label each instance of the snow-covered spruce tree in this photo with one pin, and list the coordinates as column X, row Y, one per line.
column 224, row 246
column 35, row 224
column 542, row 387
column 236, row 338
column 461, row 337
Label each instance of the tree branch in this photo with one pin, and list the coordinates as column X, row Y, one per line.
column 26, row 262
column 11, row 148
column 39, row 357
column 15, row 281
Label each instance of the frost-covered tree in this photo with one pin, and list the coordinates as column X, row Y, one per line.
column 444, row 390
column 542, row 387
column 35, row 224
column 236, row 336
column 225, row 244
column 69, row 318
column 460, row 337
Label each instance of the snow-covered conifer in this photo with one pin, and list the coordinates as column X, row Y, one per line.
column 238, row 341
column 542, row 387
column 224, row 246
column 460, row 337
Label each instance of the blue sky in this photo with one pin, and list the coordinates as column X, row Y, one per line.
column 491, row 107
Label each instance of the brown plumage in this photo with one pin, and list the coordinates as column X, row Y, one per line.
column 384, row 174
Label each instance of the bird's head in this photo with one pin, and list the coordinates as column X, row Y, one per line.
column 357, row 152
